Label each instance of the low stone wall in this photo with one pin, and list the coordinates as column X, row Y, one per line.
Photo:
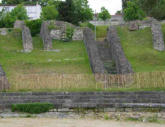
column 45, row 35
column 59, row 31
column 122, row 64
column 92, row 50
column 4, row 84
column 100, row 100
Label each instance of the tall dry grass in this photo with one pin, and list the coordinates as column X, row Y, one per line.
column 86, row 81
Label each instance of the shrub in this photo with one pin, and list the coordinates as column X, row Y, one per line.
column 87, row 24
column 69, row 32
column 34, row 26
column 33, row 108
column 49, row 12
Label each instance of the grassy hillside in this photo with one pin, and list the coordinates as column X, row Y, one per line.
column 70, row 58
column 138, row 48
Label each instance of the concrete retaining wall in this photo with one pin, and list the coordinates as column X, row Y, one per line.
column 88, row 99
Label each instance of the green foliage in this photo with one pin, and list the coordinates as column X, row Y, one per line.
column 19, row 1
column 75, row 11
column 51, row 26
column 153, row 8
column 69, row 32
column 33, row 108
column 19, row 13
column 49, row 12
column 7, row 19
column 104, row 14
column 34, row 26
column 87, row 24
column 133, row 11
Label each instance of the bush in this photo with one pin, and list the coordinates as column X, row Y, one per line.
column 34, row 26
column 69, row 32
column 33, row 108
column 87, row 24
column 104, row 14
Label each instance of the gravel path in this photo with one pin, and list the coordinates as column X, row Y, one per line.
column 49, row 122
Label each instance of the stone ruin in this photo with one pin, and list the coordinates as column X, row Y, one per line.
column 158, row 40
column 156, row 29
column 122, row 64
column 4, row 84
column 59, row 31
column 3, row 31
column 93, row 54
column 45, row 35
column 27, row 39
column 26, row 36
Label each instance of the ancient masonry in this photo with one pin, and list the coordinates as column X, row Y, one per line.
column 122, row 64
column 4, row 84
column 59, row 31
column 110, row 101
column 158, row 40
column 107, row 56
column 93, row 54
column 45, row 35
column 27, row 39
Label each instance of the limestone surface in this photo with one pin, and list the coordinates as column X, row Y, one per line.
column 158, row 40
column 27, row 39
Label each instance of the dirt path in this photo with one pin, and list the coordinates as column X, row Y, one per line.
column 48, row 122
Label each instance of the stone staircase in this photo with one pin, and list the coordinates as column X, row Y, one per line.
column 106, row 57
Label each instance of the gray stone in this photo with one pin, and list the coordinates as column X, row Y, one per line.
column 56, row 34
column 27, row 39
column 158, row 40
column 3, row 31
column 122, row 64
column 4, row 84
column 45, row 35
column 133, row 26
column 78, row 34
column 19, row 24
column 91, row 46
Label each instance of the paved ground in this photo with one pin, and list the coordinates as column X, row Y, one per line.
column 49, row 122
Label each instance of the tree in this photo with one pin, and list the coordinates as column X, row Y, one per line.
column 19, row 13
column 49, row 12
column 75, row 11
column 153, row 8
column 104, row 14
column 133, row 11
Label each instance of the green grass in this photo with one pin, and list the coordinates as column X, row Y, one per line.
column 72, row 58
column 138, row 48
column 101, row 32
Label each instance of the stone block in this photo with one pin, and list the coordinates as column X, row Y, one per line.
column 158, row 40
column 27, row 39
column 19, row 24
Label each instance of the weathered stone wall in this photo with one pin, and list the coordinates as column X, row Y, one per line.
column 93, row 54
column 27, row 39
column 158, row 40
column 59, row 32
column 45, row 35
column 4, row 84
column 19, row 24
column 88, row 99
column 122, row 64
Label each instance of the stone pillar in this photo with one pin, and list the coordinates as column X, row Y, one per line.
column 45, row 35
column 27, row 39
column 4, row 84
column 158, row 40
